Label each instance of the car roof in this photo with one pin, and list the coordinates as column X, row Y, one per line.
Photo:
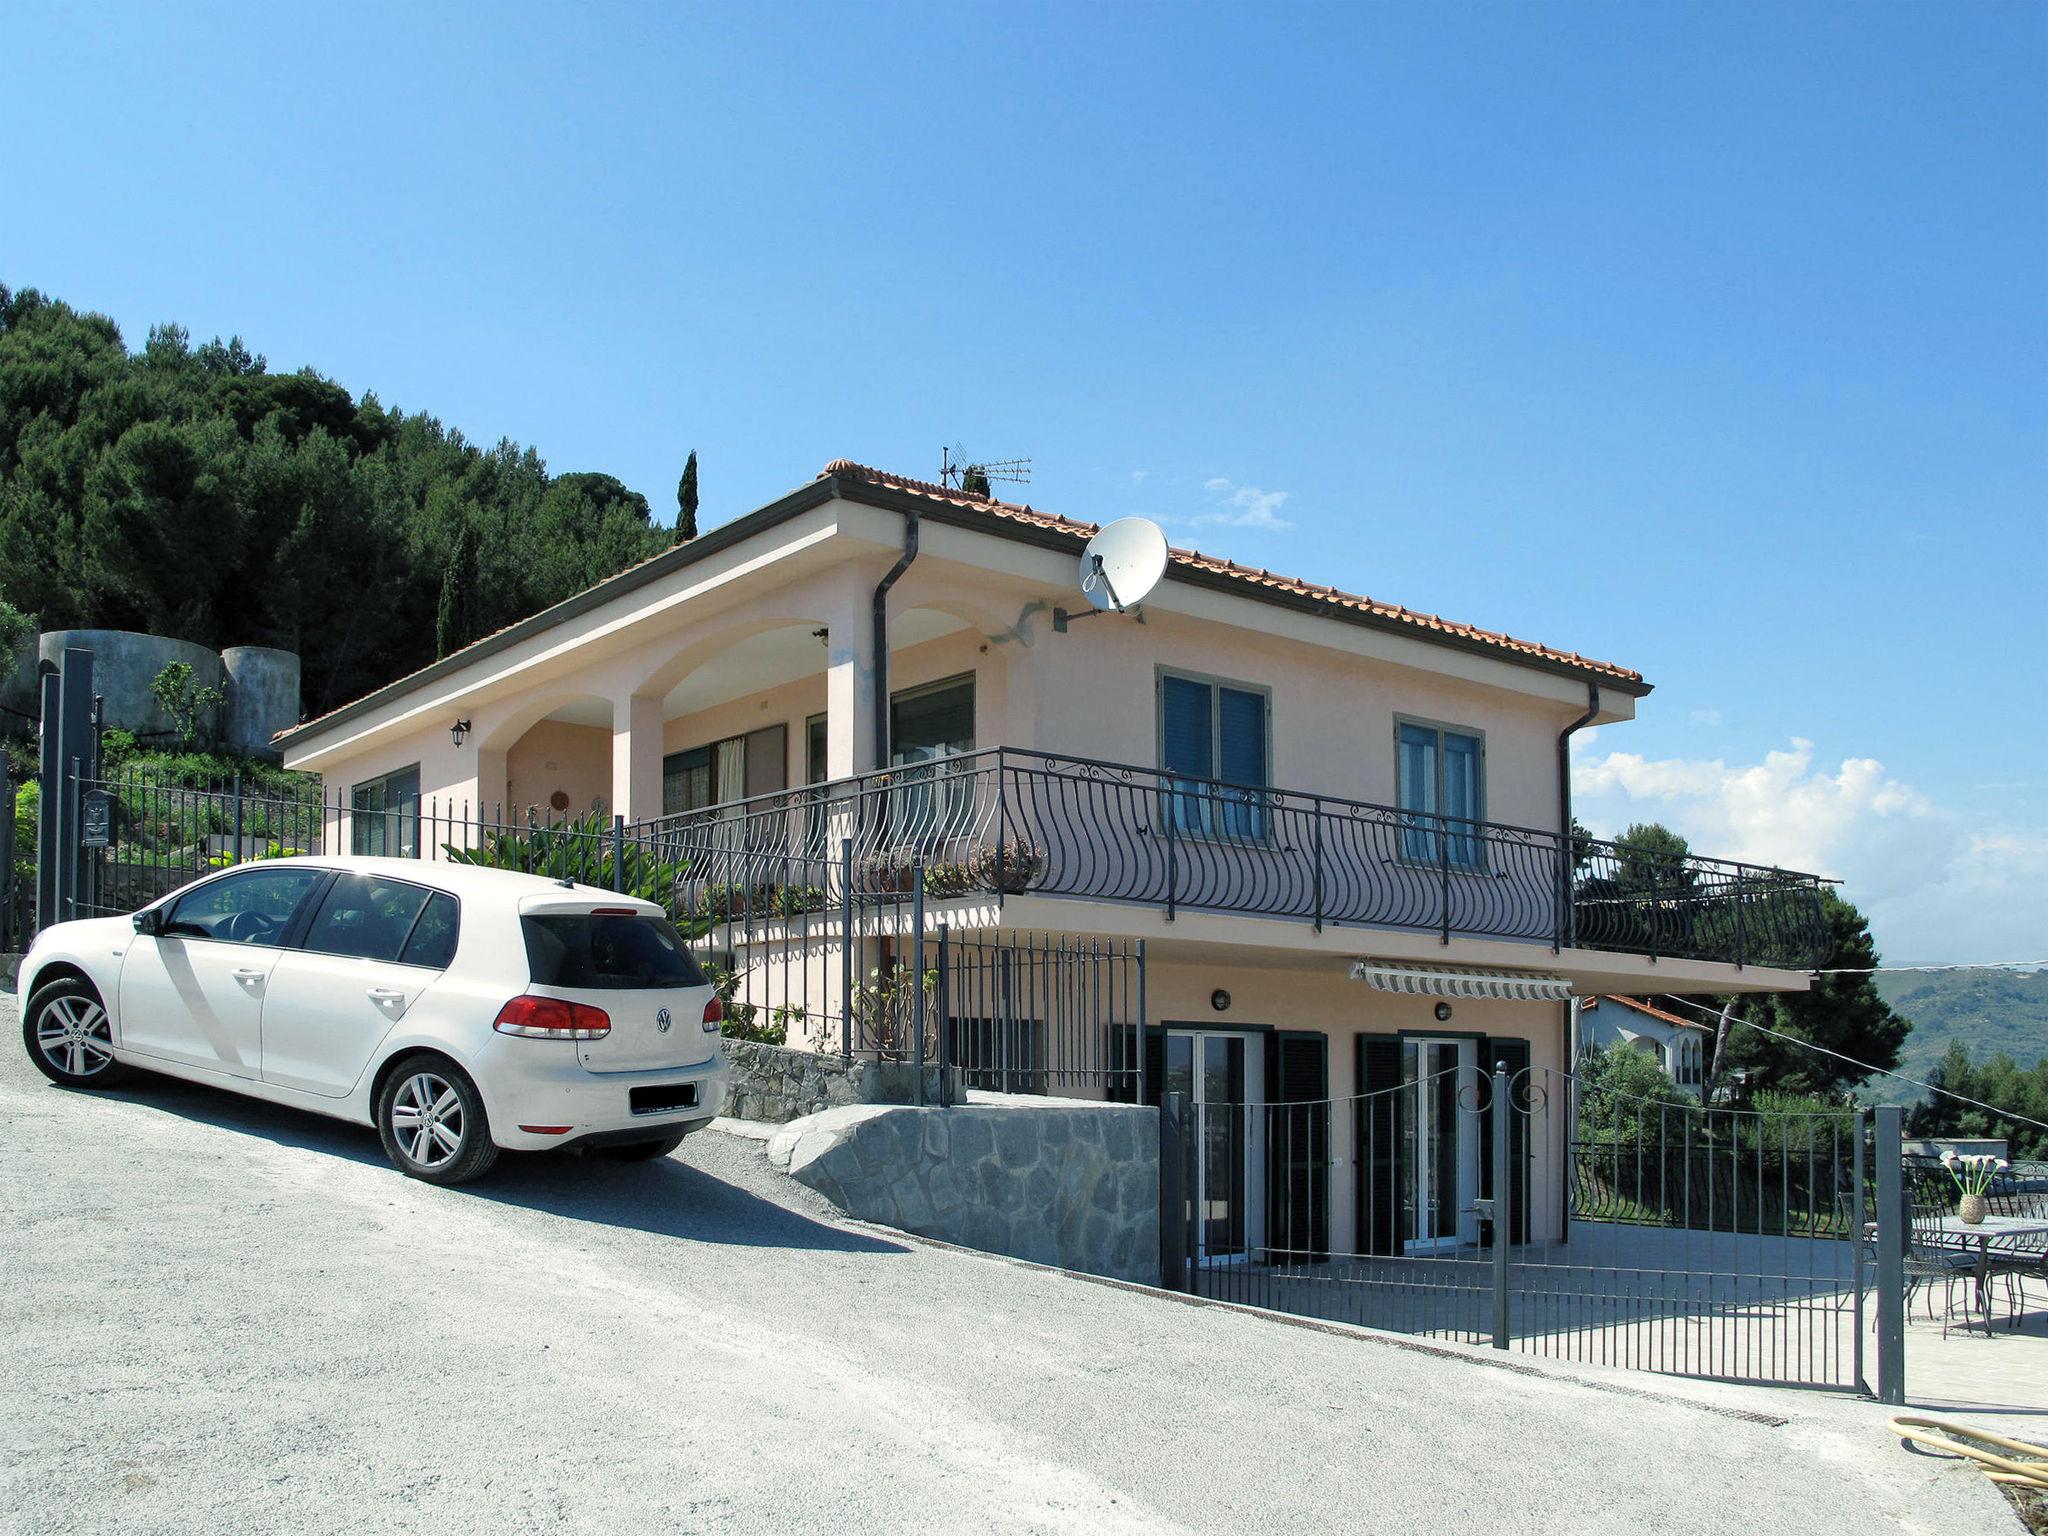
column 462, row 880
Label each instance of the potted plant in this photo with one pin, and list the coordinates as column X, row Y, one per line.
column 1011, row 869
column 1973, row 1173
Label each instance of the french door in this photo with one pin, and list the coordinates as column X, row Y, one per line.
column 1439, row 1144
column 1223, row 1079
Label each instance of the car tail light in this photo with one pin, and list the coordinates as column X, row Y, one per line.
column 614, row 911
column 714, row 1015
column 552, row 1018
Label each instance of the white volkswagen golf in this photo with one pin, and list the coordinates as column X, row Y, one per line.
column 457, row 1009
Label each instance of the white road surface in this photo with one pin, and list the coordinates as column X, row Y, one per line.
column 222, row 1316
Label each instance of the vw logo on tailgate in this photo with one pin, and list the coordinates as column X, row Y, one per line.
column 662, row 1021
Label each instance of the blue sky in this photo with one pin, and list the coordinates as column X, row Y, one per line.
column 1708, row 339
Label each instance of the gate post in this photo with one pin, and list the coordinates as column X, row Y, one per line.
column 49, row 801
column 947, row 1096
column 1891, row 1259
column 1503, row 1203
column 1173, row 1199
column 917, row 978
column 846, row 947
column 9, row 902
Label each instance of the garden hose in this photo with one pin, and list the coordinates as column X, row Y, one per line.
column 2016, row 1463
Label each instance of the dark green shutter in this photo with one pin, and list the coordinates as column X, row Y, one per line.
column 1297, row 1134
column 1514, row 1054
column 1378, row 1118
column 1123, row 1045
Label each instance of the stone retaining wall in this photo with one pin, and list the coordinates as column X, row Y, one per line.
column 1054, row 1181
column 775, row 1083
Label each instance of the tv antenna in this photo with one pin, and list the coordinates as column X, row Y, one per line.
column 957, row 472
column 1119, row 568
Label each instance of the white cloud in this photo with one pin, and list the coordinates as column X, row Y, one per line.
column 1704, row 717
column 1243, row 506
column 1139, row 477
column 1933, row 887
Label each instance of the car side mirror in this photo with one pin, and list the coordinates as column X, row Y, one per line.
column 149, row 921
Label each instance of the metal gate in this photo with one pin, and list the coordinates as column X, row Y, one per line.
column 1543, row 1212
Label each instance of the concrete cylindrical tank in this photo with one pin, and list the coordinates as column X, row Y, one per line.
column 124, row 664
column 263, row 697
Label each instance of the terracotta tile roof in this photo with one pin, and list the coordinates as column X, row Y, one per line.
column 848, row 470
column 1250, row 576
column 1656, row 1013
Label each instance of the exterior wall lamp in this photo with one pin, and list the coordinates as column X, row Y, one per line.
column 459, row 730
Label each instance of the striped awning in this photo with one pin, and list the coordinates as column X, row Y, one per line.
column 1460, row 981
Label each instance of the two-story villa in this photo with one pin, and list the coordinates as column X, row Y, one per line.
column 1341, row 829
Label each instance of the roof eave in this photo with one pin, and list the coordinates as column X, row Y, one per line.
column 890, row 499
column 798, row 501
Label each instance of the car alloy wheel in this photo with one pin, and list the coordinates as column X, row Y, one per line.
column 74, row 1035
column 427, row 1119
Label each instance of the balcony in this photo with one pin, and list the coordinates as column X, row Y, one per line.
column 1007, row 821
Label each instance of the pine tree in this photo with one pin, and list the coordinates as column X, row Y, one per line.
column 455, row 621
column 686, row 502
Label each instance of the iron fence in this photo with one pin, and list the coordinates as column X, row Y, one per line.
column 1004, row 821
column 1535, row 1213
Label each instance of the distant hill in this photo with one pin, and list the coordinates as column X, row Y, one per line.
column 1986, row 1011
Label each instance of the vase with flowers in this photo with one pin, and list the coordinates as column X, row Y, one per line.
column 1973, row 1173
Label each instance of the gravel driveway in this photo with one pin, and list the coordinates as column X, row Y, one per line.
column 219, row 1315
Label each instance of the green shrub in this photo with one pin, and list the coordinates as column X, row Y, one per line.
column 583, row 850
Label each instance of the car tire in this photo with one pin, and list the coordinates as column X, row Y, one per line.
column 69, row 1037
column 641, row 1151
column 431, row 1120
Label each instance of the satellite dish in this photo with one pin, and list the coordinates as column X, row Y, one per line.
column 1123, row 563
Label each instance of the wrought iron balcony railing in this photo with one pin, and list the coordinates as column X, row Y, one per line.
column 1007, row 821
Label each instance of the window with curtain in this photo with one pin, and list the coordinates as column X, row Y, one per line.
column 1442, row 782
column 1214, row 731
column 724, row 771
column 384, row 815
column 927, row 725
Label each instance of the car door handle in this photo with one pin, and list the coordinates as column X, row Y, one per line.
column 248, row 976
column 386, row 997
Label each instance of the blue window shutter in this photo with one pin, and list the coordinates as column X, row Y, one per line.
column 1462, row 794
column 1242, row 759
column 1418, row 768
column 1461, row 776
column 1187, row 746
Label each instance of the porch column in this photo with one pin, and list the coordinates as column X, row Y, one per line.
column 850, row 679
column 636, row 757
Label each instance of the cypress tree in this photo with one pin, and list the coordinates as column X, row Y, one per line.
column 455, row 620
column 686, row 502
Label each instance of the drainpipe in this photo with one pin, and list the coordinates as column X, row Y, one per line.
column 1568, row 928
column 882, row 636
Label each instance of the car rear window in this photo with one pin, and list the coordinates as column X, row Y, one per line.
column 594, row 951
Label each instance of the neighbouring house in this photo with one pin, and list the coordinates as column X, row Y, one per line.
column 1678, row 1045
column 1302, row 857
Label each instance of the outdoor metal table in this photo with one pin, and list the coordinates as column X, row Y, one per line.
column 1952, row 1227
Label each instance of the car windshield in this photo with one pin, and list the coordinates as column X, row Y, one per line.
column 598, row 951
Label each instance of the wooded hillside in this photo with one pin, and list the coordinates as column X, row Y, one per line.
column 189, row 491
column 1984, row 1011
